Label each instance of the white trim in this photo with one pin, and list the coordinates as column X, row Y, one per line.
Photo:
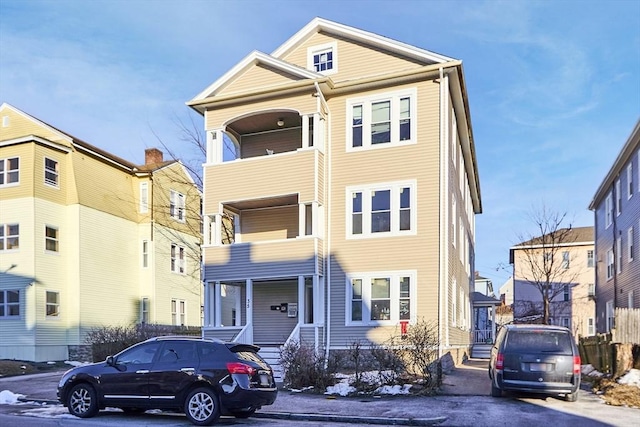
column 630, row 244
column 326, row 47
column 5, row 172
column 55, row 185
column 366, row 191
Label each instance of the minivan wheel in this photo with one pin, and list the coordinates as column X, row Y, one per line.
column 495, row 391
column 571, row 397
column 201, row 407
column 83, row 401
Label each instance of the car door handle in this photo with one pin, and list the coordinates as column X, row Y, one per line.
column 142, row 371
column 187, row 369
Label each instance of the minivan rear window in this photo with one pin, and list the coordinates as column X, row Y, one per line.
column 542, row 341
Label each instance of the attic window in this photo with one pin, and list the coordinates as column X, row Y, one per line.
column 5, row 121
column 323, row 58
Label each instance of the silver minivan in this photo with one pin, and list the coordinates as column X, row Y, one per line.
column 535, row 359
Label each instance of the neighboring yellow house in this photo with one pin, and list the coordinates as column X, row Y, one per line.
column 88, row 239
column 350, row 187
column 569, row 263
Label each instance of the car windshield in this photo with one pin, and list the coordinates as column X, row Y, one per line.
column 542, row 341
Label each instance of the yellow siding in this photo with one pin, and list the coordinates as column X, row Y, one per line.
column 278, row 141
column 25, row 153
column 173, row 178
column 20, row 126
column 269, row 224
column 302, row 102
column 257, row 76
column 47, row 192
column 355, row 60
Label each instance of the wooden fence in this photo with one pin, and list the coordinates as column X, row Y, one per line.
column 627, row 326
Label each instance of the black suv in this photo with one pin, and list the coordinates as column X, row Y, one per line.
column 535, row 359
column 203, row 378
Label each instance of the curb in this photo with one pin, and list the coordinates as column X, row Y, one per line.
column 350, row 419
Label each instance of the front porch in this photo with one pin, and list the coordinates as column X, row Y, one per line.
column 484, row 324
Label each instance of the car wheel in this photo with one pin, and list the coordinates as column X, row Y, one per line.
column 571, row 397
column 83, row 401
column 243, row 414
column 495, row 391
column 201, row 407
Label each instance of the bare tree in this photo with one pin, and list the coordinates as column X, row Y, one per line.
column 540, row 261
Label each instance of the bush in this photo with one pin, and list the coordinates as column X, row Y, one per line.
column 109, row 340
column 303, row 366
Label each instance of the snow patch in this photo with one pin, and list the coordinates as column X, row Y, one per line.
column 631, row 378
column 9, row 398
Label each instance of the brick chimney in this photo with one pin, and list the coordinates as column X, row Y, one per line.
column 152, row 156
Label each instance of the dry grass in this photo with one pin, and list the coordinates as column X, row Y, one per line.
column 617, row 394
column 10, row 368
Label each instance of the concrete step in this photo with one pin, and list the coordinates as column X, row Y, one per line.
column 271, row 355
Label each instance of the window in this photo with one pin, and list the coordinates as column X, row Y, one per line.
column 9, row 171
column 590, row 262
column 619, row 255
column 9, row 303
column 176, row 207
column 5, row 121
column 53, row 304
column 618, row 198
column 566, row 294
column 144, row 197
column 145, row 253
column 609, row 263
column 565, row 321
column 454, row 302
column 323, row 58
column 50, row 172
column 591, row 329
column 374, row 298
column 51, row 239
column 381, row 210
column 177, row 259
column 178, row 312
column 610, row 315
column 630, row 244
column 608, row 211
column 591, row 289
column 9, row 237
column 454, row 226
column 629, row 180
column 381, row 120
column 630, row 299
column 144, row 310
column 565, row 260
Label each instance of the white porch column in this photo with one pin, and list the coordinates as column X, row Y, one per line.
column 216, row 231
column 318, row 131
column 301, row 300
column 249, row 308
column 302, row 216
column 217, row 304
column 318, row 299
column 305, row 131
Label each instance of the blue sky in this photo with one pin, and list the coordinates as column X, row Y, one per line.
column 554, row 86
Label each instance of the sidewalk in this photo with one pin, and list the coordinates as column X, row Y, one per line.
column 468, row 379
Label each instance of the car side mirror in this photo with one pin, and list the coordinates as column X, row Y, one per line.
column 110, row 361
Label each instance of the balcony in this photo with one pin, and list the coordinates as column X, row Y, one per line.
column 264, row 259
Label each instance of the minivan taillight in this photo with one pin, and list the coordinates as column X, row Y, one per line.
column 576, row 365
column 239, row 368
column 499, row 362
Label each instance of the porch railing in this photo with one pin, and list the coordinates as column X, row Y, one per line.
column 483, row 336
column 245, row 336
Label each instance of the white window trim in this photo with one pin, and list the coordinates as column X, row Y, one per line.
column 312, row 50
column 47, row 304
column 179, row 262
column 618, row 261
column 454, row 301
column 6, row 171
column 145, row 253
column 630, row 244
column 366, row 103
column 55, row 184
column 178, row 200
column 6, row 304
column 454, row 225
column 608, row 210
column 394, row 277
column 178, row 311
column 47, row 238
column 366, row 191
column 629, row 180
column 6, row 237
column 144, row 201
column 618, row 201
column 610, row 264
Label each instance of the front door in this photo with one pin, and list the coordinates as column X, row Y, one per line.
column 274, row 314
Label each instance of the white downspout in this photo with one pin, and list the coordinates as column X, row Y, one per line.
column 443, row 311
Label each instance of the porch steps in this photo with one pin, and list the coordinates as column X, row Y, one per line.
column 481, row 351
column 271, row 355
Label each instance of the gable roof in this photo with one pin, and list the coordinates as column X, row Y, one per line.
column 573, row 237
column 319, row 24
column 623, row 157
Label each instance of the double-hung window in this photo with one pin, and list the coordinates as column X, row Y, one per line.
column 53, row 304
column 9, row 303
column 51, row 239
column 381, row 120
column 144, row 197
column 619, row 255
column 177, row 259
column 9, row 237
column 630, row 244
column 610, row 264
column 565, row 260
column 178, row 312
column 380, row 298
column 9, row 171
column 381, row 210
column 176, row 206
column 630, row 180
column 51, row 172
column 590, row 262
column 618, row 198
column 608, row 210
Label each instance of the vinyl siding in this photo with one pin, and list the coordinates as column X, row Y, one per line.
column 278, row 141
column 20, row 126
column 355, row 60
column 172, row 178
column 270, row 326
column 259, row 75
column 43, row 191
column 417, row 252
column 25, row 153
column 269, row 224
